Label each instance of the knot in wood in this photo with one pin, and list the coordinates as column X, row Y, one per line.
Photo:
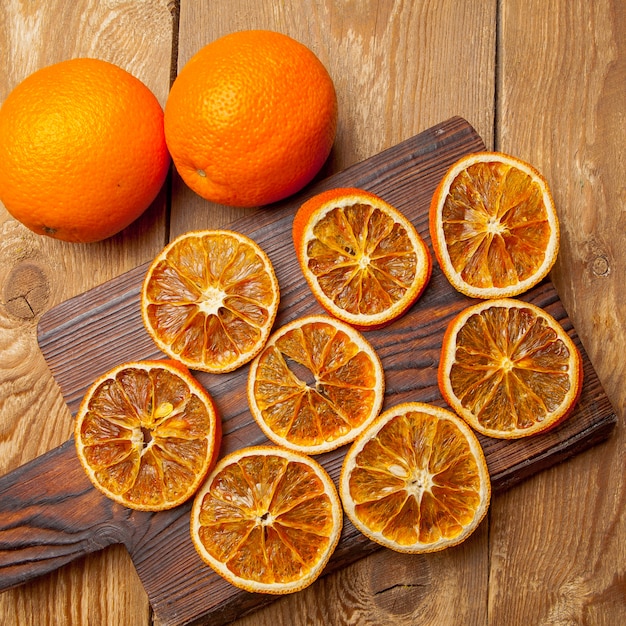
column 600, row 265
column 26, row 291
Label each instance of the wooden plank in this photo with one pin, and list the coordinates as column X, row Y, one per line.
column 38, row 273
column 398, row 67
column 562, row 98
column 180, row 587
column 392, row 74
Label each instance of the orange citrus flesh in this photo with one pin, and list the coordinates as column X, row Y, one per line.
column 147, row 433
column 416, row 479
column 363, row 260
column 315, row 385
column 509, row 369
column 494, row 226
column 209, row 300
column 267, row 520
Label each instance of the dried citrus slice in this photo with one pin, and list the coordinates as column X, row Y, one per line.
column 363, row 260
column 315, row 385
column 147, row 433
column 209, row 299
column 493, row 225
column 509, row 369
column 267, row 519
column 416, row 479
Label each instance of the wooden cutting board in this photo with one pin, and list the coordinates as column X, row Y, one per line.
column 49, row 512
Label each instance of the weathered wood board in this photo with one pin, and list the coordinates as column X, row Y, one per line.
column 49, row 512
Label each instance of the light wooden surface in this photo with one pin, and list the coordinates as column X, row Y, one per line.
column 545, row 81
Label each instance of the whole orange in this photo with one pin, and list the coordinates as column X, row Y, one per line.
column 82, row 148
column 251, row 118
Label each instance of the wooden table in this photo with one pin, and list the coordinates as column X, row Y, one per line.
column 545, row 81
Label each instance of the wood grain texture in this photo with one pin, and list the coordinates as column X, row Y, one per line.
column 562, row 98
column 36, row 273
column 555, row 96
column 399, row 67
column 103, row 327
column 391, row 73
column 51, row 515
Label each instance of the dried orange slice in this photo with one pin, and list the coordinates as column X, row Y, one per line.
column 209, row 300
column 363, row 260
column 147, row 433
column 267, row 519
column 493, row 225
column 416, row 479
column 509, row 369
column 315, row 385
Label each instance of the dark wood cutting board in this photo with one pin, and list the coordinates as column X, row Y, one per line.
column 49, row 512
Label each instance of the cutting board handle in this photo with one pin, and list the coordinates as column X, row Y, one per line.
column 50, row 514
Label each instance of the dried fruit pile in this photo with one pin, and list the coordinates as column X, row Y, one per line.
column 414, row 477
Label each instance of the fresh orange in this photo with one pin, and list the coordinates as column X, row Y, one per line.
column 363, row 260
column 83, row 150
column 209, row 299
column 509, row 369
column 316, row 384
column 267, row 519
column 147, row 433
column 251, row 118
column 493, row 225
column 416, row 479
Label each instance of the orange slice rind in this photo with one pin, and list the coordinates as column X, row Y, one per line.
column 267, row 520
column 416, row 479
column 364, row 261
column 493, row 225
column 209, row 300
column 315, row 385
column 146, row 434
column 509, row 369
